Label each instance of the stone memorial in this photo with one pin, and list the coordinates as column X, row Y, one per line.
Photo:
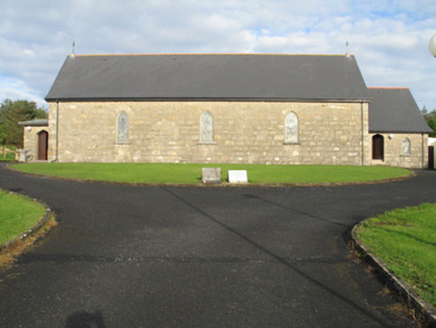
column 238, row 176
column 211, row 175
column 22, row 157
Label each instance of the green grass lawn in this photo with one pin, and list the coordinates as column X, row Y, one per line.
column 17, row 215
column 191, row 173
column 405, row 239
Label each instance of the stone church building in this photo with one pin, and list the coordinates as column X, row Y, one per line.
column 239, row 108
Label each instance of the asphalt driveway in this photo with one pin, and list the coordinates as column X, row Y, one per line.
column 127, row 256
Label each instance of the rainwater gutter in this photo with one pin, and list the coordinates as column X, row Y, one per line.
column 363, row 133
column 57, row 133
column 423, row 151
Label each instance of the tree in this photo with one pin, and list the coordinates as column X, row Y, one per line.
column 12, row 112
column 431, row 121
column 424, row 110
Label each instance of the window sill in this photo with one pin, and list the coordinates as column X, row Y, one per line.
column 292, row 143
column 122, row 143
column 207, row 143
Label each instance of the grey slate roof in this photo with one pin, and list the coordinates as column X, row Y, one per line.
column 38, row 122
column 209, row 77
column 394, row 110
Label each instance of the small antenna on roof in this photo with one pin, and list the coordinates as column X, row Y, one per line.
column 346, row 45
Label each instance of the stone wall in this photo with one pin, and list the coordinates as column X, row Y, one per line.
column 394, row 154
column 244, row 132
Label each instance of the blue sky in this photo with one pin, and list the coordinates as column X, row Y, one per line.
column 388, row 38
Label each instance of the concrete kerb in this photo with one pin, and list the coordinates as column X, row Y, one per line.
column 222, row 184
column 47, row 216
column 421, row 307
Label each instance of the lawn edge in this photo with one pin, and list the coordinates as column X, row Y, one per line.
column 30, row 232
column 421, row 307
column 222, row 184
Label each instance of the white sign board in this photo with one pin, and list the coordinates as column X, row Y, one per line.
column 238, row 176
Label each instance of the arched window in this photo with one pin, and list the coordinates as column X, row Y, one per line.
column 122, row 128
column 291, row 128
column 406, row 147
column 378, row 151
column 206, row 128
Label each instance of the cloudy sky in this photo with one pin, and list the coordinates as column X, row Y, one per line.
column 389, row 38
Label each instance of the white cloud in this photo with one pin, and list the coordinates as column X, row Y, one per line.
column 18, row 90
column 389, row 38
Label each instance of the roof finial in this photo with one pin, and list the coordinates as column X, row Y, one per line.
column 73, row 52
column 346, row 45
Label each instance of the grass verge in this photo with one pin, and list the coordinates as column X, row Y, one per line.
column 405, row 239
column 7, row 154
column 9, row 254
column 152, row 173
column 9, row 157
column 17, row 215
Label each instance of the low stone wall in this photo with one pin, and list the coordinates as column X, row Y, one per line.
column 4, row 151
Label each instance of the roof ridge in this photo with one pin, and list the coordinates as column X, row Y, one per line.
column 208, row 54
column 388, row 88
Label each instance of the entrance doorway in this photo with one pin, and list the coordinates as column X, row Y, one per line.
column 43, row 146
column 378, row 151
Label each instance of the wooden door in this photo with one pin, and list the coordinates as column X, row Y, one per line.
column 42, row 145
column 378, row 147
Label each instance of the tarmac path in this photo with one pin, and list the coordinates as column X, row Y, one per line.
column 128, row 256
